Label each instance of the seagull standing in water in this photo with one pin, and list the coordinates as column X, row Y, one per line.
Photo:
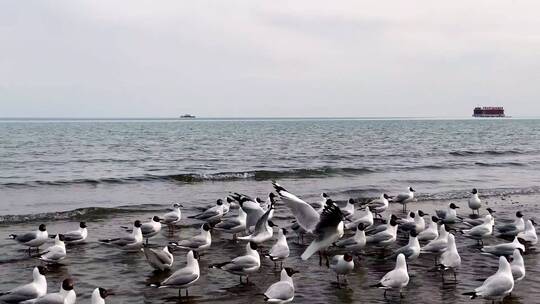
column 404, row 198
column 379, row 205
column 342, row 266
column 36, row 289
column 32, row 239
column 517, row 265
column 152, row 228
column 397, row 278
column 512, row 229
column 474, row 202
column 497, row 286
column 327, row 231
column 439, row 244
column 184, row 277
column 197, row 243
column 450, row 258
column 479, row 221
column 66, row 295
column 448, row 216
column 173, row 217
column 243, row 265
column 366, row 220
column 253, row 210
column 283, row 290
column 56, row 252
column 76, row 236
column 280, row 250
column 211, row 215
column 99, row 295
column 529, row 234
column 412, row 250
column 233, row 225
column 432, row 230
column 504, row 249
column 129, row 242
column 385, row 237
column 355, row 243
column 481, row 231
column 159, row 259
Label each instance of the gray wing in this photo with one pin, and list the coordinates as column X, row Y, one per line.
column 72, row 236
column 19, row 294
column 147, row 228
column 441, row 213
column 280, row 290
column 228, row 224
column 23, row 238
column 163, row 257
column 180, row 277
column 400, row 197
column 124, row 241
column 346, row 242
column 52, row 298
column 406, row 250
column 241, row 263
column 379, row 237
column 193, row 243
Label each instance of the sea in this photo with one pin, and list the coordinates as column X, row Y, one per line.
column 109, row 172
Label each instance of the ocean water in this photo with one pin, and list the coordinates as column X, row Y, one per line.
column 112, row 172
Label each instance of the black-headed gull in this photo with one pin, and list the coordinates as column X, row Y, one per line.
column 474, row 201
column 242, row 265
column 497, row 286
column 283, row 290
column 398, row 278
column 184, row 277
column 37, row 288
column 32, row 239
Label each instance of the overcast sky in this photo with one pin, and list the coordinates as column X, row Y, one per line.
column 268, row 58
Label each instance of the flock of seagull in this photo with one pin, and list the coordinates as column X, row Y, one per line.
column 324, row 222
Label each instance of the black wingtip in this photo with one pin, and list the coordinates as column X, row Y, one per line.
column 376, row 285
column 472, row 294
column 12, row 236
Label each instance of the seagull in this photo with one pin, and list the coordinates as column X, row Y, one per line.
column 376, row 229
column 76, row 236
column 159, row 259
column 450, row 258
column 417, row 224
column 379, row 205
column 36, row 289
column 348, row 209
column 152, row 228
column 474, row 201
column 448, row 216
column 307, row 217
column 397, row 278
column 280, row 250
column 243, row 265
column 512, row 229
column 481, row 231
column 431, row 231
column 269, row 203
column 355, row 243
column 517, row 265
column 529, row 234
column 439, row 244
column 478, row 221
column 253, row 210
column 32, row 239
column 66, row 295
column 366, row 220
column 173, row 217
column 283, row 290
column 233, row 225
column 385, row 237
column 263, row 229
column 327, row 231
column 319, row 205
column 404, row 198
column 505, row 249
column 497, row 286
column 99, row 295
column 412, row 250
column 342, row 265
column 199, row 242
column 212, row 214
column 56, row 252
column 184, row 277
column 128, row 242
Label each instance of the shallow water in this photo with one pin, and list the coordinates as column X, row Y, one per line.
column 110, row 173
column 94, row 264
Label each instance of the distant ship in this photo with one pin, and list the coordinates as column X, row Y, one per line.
column 187, row 116
column 488, row 112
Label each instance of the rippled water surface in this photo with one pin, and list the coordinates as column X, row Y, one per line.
column 113, row 172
